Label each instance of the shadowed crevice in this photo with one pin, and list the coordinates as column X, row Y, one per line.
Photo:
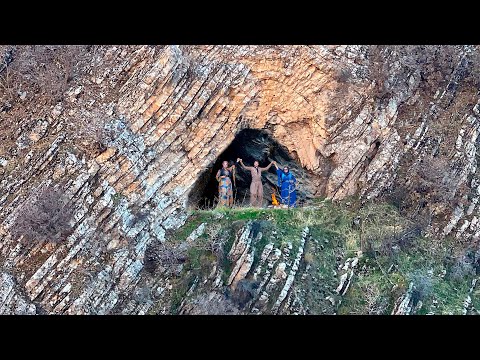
column 250, row 145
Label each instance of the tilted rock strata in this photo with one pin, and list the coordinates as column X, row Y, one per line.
column 175, row 109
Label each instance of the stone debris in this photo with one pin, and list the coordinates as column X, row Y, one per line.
column 12, row 302
column 346, row 277
column 404, row 304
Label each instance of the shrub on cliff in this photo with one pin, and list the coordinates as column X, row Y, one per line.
column 45, row 216
column 43, row 71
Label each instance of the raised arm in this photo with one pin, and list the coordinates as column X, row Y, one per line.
column 243, row 166
column 266, row 168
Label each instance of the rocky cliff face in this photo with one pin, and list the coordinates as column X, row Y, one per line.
column 129, row 130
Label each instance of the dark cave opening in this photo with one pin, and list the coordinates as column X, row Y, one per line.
column 249, row 145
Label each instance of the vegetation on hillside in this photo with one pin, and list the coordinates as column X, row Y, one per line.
column 394, row 253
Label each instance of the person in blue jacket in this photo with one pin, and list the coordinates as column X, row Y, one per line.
column 287, row 184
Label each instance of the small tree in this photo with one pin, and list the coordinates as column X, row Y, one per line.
column 44, row 217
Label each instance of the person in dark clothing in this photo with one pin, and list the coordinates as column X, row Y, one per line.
column 287, row 184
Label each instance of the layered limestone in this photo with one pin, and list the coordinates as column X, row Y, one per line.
column 173, row 110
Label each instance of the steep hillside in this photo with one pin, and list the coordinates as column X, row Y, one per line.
column 323, row 259
column 126, row 138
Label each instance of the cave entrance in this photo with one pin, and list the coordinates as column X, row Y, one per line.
column 249, row 145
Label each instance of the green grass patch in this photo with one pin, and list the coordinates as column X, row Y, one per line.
column 179, row 291
column 338, row 231
column 191, row 224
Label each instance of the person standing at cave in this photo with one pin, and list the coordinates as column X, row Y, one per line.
column 287, row 184
column 256, row 186
column 224, row 177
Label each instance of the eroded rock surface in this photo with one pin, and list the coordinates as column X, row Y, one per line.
column 173, row 110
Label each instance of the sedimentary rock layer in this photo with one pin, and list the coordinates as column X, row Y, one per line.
column 174, row 109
